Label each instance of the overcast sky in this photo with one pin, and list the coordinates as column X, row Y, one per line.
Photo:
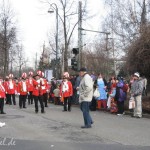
column 34, row 22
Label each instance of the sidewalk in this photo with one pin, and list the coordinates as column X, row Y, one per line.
column 127, row 112
column 144, row 115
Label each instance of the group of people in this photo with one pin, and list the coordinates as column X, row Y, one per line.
column 35, row 87
column 112, row 94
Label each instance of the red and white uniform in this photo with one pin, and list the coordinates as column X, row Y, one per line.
column 37, row 88
column 44, row 87
column 66, row 89
column 23, row 87
column 2, row 91
column 5, row 85
column 10, row 87
column 30, row 84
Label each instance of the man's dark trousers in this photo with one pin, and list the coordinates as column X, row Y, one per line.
column 86, row 115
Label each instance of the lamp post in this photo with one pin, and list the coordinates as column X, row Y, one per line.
column 51, row 10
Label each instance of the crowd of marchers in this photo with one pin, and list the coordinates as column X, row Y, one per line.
column 111, row 94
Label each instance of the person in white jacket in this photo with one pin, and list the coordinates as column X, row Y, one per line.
column 85, row 96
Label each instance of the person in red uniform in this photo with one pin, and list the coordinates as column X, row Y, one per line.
column 23, row 91
column 11, row 90
column 2, row 96
column 44, row 89
column 30, row 88
column 37, row 92
column 5, row 86
column 66, row 91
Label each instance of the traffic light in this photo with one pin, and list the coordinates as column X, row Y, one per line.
column 74, row 64
column 75, row 51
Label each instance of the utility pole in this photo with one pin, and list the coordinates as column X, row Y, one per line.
column 36, row 61
column 54, row 6
column 80, row 35
column 113, row 48
column 107, row 50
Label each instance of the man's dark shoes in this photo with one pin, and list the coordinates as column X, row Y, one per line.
column 138, row 117
column 3, row 113
column 84, row 127
column 42, row 112
column 64, row 110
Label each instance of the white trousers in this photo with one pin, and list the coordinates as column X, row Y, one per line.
column 138, row 106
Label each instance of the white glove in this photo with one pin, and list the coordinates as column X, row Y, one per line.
column 18, row 93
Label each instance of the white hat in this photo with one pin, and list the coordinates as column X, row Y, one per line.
column 30, row 73
column 137, row 74
column 39, row 72
column 11, row 75
column 24, row 75
column 66, row 75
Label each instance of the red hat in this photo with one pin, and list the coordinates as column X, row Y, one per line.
column 30, row 73
column 66, row 75
column 11, row 75
column 24, row 75
column 39, row 73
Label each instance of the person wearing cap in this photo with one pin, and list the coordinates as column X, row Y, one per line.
column 136, row 93
column 2, row 96
column 30, row 87
column 37, row 92
column 85, row 96
column 66, row 91
column 44, row 88
column 11, row 90
column 23, row 91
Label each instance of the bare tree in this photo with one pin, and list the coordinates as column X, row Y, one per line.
column 7, row 34
column 127, row 21
column 20, row 58
column 68, row 20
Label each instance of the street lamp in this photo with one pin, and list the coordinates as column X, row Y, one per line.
column 53, row 7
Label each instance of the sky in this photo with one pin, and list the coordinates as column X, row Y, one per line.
column 34, row 23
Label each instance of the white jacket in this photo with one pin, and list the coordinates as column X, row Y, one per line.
column 86, row 89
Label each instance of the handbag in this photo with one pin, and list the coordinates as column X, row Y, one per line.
column 131, row 103
column 96, row 93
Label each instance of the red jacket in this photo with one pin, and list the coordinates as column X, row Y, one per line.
column 44, row 87
column 10, row 87
column 66, row 89
column 30, row 84
column 2, row 91
column 37, row 88
column 23, row 90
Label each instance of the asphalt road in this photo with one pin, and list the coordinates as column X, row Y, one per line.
column 57, row 130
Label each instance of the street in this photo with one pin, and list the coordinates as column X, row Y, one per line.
column 56, row 130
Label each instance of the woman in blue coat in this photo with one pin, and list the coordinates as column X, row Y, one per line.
column 101, row 85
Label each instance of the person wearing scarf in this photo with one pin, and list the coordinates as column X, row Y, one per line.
column 23, row 91
column 11, row 90
column 66, row 91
